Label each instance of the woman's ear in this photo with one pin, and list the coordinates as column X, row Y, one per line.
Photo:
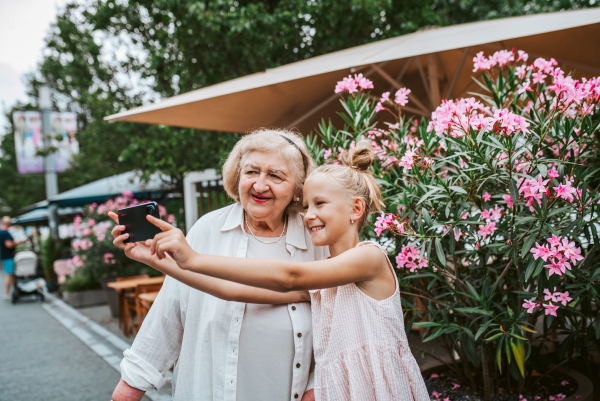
column 358, row 209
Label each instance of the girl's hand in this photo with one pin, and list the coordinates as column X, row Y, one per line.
column 171, row 242
column 138, row 251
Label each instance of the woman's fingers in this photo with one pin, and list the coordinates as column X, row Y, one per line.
column 114, row 216
column 157, row 238
column 116, row 231
column 163, row 245
column 118, row 241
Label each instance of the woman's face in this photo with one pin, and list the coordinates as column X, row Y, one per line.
column 267, row 185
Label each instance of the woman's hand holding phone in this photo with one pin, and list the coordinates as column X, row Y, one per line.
column 138, row 251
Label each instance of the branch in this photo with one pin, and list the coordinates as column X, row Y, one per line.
column 510, row 262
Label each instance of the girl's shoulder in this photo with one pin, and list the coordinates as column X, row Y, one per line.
column 367, row 252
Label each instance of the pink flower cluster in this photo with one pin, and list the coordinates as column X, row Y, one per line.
column 400, row 98
column 74, row 261
column 493, row 214
column 355, row 84
column 410, row 258
column 386, row 222
column 329, row 153
column 507, row 122
column 533, row 190
column 487, row 229
column 559, row 253
column 82, row 244
column 500, row 58
column 455, row 117
column 109, row 258
column 553, row 300
column 567, row 191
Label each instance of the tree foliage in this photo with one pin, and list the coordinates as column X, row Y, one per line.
column 105, row 56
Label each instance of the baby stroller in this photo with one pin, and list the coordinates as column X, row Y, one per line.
column 26, row 281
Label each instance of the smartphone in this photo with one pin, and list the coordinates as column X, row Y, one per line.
column 136, row 225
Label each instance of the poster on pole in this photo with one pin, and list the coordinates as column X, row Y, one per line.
column 29, row 140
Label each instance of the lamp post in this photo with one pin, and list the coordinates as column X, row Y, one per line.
column 45, row 103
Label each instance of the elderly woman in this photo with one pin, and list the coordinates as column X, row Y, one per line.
column 224, row 350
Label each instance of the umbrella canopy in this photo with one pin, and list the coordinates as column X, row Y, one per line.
column 101, row 190
column 434, row 63
column 41, row 216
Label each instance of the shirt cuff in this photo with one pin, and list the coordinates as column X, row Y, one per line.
column 140, row 374
column 311, row 381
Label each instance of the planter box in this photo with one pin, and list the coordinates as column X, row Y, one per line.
column 85, row 298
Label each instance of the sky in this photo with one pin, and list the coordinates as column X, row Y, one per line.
column 23, row 27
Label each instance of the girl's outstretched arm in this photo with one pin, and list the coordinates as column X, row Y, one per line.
column 223, row 289
column 356, row 265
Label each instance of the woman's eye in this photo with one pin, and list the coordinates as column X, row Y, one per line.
column 275, row 177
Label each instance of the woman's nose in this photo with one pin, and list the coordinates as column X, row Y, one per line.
column 261, row 184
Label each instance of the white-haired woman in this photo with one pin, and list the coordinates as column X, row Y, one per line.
column 227, row 350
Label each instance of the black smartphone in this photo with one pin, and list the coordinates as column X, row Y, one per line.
column 136, row 225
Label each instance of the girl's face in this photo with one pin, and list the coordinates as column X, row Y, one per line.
column 266, row 186
column 327, row 211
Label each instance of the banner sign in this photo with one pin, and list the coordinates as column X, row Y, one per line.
column 29, row 139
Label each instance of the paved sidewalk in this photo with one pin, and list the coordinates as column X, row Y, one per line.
column 41, row 360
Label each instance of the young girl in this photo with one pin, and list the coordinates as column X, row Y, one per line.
column 360, row 346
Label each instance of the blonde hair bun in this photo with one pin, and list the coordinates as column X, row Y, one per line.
column 360, row 158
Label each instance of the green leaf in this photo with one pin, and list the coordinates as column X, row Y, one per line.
column 426, row 216
column 527, row 245
column 458, row 189
column 483, row 328
column 473, row 310
column 543, row 169
column 519, row 353
column 438, row 333
column 427, row 324
column 440, row 251
column 597, row 327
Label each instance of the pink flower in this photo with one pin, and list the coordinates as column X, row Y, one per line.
column 347, row 84
column 538, row 77
column 563, row 297
column 569, row 251
column 525, row 87
column 565, row 192
column 549, row 296
column 170, row 219
column 522, row 55
column 91, row 222
column 385, row 97
column 541, row 251
column 327, row 154
column 488, row 229
column 529, row 305
column 109, row 255
column 447, row 399
column 402, row 96
column 509, row 201
column 455, row 386
column 434, row 375
column 564, row 383
column 485, row 214
column 554, row 240
column 410, row 258
column 553, row 173
column 86, row 232
column 557, row 397
column 487, row 197
column 556, row 267
column 363, row 82
column 436, row 395
column 550, row 309
column 379, row 107
column 127, row 194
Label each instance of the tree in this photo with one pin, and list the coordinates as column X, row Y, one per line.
column 105, row 56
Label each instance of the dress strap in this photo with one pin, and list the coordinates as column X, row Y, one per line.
column 371, row 243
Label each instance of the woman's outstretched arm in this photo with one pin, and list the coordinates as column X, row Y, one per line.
column 355, row 265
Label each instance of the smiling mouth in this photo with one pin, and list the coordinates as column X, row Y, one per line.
column 316, row 228
column 260, row 199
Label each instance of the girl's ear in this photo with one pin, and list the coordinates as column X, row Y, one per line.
column 358, row 209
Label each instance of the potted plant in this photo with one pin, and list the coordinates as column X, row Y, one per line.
column 95, row 262
column 492, row 214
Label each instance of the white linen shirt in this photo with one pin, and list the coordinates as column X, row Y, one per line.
column 199, row 333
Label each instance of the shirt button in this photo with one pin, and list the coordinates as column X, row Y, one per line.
column 297, row 365
column 233, row 350
column 293, row 308
column 296, row 395
column 299, row 334
column 232, row 382
column 237, row 320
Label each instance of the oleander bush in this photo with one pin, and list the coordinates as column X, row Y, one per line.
column 491, row 212
column 93, row 252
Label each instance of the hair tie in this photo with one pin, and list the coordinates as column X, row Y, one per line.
column 354, row 167
column 296, row 146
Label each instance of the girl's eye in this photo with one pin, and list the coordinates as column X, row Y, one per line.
column 305, row 207
column 320, row 203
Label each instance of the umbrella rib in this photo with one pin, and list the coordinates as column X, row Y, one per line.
column 425, row 82
column 457, row 73
column 399, row 85
column 402, row 72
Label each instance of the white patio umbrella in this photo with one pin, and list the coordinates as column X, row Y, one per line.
column 434, row 63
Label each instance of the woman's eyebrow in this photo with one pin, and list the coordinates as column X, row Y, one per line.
column 272, row 170
column 252, row 166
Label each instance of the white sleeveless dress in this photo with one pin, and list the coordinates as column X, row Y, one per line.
column 360, row 346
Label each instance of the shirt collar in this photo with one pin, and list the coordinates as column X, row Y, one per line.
column 295, row 235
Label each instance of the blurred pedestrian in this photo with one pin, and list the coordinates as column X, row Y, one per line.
column 7, row 254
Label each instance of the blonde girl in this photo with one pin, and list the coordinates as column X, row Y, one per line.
column 360, row 346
